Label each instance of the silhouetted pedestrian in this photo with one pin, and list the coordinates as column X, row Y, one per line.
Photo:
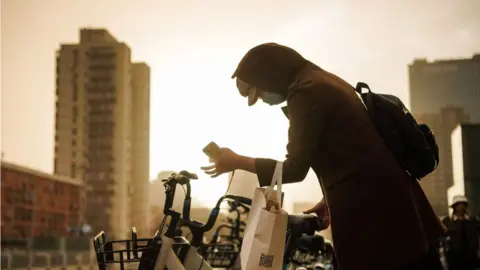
column 462, row 236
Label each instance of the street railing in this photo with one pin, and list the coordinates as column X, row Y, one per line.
column 20, row 259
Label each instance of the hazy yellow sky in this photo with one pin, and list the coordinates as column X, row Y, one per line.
column 193, row 47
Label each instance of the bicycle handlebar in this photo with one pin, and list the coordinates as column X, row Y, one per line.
column 170, row 185
column 234, row 206
column 213, row 214
column 183, row 178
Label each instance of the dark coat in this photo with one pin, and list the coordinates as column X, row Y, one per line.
column 458, row 229
column 380, row 217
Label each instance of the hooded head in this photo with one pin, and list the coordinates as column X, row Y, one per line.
column 266, row 71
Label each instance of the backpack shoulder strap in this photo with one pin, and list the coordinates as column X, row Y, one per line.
column 360, row 86
column 366, row 97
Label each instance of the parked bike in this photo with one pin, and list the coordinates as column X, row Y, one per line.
column 167, row 250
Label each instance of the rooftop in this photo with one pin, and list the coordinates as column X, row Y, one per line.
column 424, row 61
column 49, row 176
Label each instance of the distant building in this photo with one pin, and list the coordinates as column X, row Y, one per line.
column 102, row 129
column 436, row 184
column 466, row 165
column 443, row 94
column 156, row 216
column 37, row 204
column 445, row 83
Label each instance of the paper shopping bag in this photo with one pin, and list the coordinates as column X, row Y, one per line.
column 263, row 243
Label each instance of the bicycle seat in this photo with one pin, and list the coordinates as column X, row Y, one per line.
column 310, row 244
column 304, row 224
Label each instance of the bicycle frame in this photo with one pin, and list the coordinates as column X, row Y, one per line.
column 167, row 256
column 194, row 260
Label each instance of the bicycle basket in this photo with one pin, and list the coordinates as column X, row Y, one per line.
column 135, row 252
column 127, row 253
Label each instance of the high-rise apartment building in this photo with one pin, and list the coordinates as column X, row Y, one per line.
column 140, row 211
column 466, row 169
column 102, row 129
column 444, row 94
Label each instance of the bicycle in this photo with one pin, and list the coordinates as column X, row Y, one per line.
column 149, row 253
column 303, row 245
column 199, row 255
column 236, row 226
column 172, row 251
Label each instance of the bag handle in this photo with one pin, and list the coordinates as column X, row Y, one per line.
column 276, row 180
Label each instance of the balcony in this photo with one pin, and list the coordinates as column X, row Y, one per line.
column 102, row 65
column 100, row 75
column 101, row 52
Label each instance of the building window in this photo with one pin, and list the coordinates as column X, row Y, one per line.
column 74, row 114
column 73, row 170
column 29, row 197
column 9, row 195
column 74, row 92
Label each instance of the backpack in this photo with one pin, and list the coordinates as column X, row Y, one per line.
column 413, row 145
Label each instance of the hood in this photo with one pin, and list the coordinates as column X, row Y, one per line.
column 271, row 67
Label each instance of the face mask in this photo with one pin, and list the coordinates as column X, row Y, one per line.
column 248, row 91
column 272, row 98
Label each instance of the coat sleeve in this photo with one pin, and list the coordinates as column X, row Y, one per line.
column 307, row 120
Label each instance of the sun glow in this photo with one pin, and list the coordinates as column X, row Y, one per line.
column 192, row 110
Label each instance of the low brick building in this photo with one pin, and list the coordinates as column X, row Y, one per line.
column 38, row 204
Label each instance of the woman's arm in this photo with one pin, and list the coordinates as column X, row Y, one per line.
column 307, row 120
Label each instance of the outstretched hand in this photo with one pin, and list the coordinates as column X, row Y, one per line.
column 226, row 161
